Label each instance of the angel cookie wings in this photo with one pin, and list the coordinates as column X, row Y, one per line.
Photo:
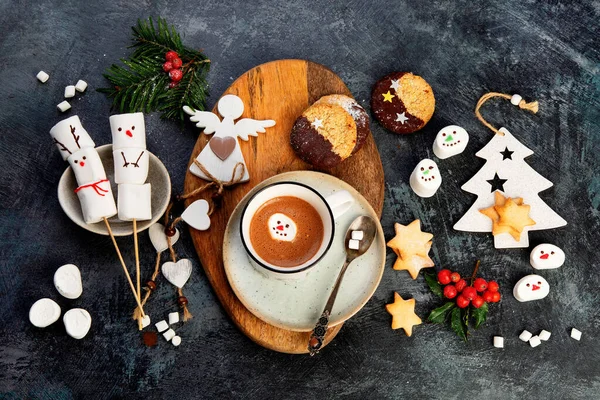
column 223, row 152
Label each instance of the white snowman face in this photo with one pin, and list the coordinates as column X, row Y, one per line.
column 128, row 130
column 546, row 256
column 450, row 141
column 282, row 227
column 87, row 166
column 425, row 178
column 531, row 287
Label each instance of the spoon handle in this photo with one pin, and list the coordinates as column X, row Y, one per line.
column 317, row 336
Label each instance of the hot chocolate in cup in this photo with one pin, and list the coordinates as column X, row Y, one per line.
column 287, row 227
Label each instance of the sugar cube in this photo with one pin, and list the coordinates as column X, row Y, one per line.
column 498, row 342
column 42, row 76
column 145, row 321
column 576, row 334
column 176, row 341
column 358, row 235
column 69, row 91
column 170, row 334
column 161, row 326
column 544, row 335
column 525, row 336
column 63, row 106
column 353, row 244
column 81, row 86
column 535, row 341
column 173, row 318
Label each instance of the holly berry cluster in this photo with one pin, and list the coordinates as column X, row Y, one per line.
column 173, row 67
column 478, row 294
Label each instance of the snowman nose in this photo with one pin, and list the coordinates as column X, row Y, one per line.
column 279, row 227
column 535, row 287
column 81, row 163
column 544, row 256
column 426, row 172
column 449, row 138
column 128, row 133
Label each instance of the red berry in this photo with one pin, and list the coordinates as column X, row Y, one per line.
column 477, row 302
column 461, row 285
column 469, row 293
column 455, row 277
column 462, row 301
column 496, row 297
column 493, row 286
column 176, row 75
column 444, row 276
column 450, row 292
column 480, row 284
column 173, row 84
column 167, row 66
column 171, row 55
column 488, row 296
column 177, row 63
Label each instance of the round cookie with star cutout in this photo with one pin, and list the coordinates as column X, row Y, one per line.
column 402, row 102
column 330, row 131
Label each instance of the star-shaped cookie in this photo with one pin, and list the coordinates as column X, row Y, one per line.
column 514, row 215
column 508, row 225
column 413, row 264
column 403, row 314
column 410, row 240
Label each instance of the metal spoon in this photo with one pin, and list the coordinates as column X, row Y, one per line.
column 369, row 228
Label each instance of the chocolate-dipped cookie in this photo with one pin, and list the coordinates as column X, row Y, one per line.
column 402, row 102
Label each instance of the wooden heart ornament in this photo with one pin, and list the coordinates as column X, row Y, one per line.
column 177, row 273
column 159, row 238
column 222, row 146
column 196, row 215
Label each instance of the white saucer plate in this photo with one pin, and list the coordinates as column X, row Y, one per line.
column 297, row 304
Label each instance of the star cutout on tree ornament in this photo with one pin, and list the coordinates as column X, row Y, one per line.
column 402, row 118
column 506, row 154
column 388, row 96
column 403, row 314
column 395, row 84
column 317, row 123
column 497, row 183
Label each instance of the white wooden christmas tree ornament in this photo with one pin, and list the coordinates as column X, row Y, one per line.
column 506, row 171
column 220, row 157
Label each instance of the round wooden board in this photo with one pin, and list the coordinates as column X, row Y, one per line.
column 279, row 90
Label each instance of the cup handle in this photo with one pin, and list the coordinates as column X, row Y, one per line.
column 340, row 202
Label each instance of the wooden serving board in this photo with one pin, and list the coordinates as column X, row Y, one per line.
column 279, row 90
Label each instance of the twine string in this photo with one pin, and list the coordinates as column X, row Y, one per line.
column 532, row 107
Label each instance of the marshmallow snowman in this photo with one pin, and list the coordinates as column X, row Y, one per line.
column 546, row 256
column 131, row 165
column 531, row 287
column 281, row 227
column 93, row 188
column 450, row 141
column 425, row 179
column 128, row 131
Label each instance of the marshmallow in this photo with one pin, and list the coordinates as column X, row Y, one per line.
column 358, row 235
column 498, row 342
column 450, row 141
column 131, row 166
column 176, row 341
column 535, row 341
column 77, row 322
column 425, row 179
column 353, row 244
column 145, row 321
column 97, row 201
column 42, row 76
column 81, row 85
column 69, row 91
column 87, row 166
column 173, row 318
column 281, row 227
column 44, row 312
column 544, row 335
column 63, row 106
column 525, row 336
column 168, row 335
column 67, row 280
column 531, row 287
column 70, row 136
column 128, row 130
column 546, row 256
column 576, row 334
column 161, row 326
column 134, row 202
column 515, row 99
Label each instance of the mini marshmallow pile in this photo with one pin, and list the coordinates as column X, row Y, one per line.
column 45, row 312
column 167, row 332
column 354, row 242
column 80, row 86
column 536, row 340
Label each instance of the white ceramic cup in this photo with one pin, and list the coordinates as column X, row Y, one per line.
column 329, row 210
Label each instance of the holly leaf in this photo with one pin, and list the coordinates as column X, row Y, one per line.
column 433, row 284
column 480, row 315
column 440, row 314
column 457, row 324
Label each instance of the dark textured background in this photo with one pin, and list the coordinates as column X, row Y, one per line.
column 544, row 50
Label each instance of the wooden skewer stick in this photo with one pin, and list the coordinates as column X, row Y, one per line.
column 137, row 299
column 137, row 267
